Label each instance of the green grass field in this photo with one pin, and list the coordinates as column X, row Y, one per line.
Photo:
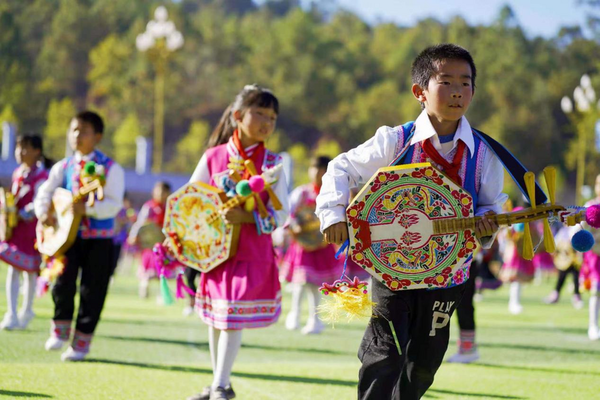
column 145, row 351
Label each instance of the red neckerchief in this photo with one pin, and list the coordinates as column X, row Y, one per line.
column 316, row 188
column 159, row 212
column 255, row 157
column 450, row 169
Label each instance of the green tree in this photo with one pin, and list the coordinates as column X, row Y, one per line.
column 58, row 117
column 190, row 148
column 124, row 138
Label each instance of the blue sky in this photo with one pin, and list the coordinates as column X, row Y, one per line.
column 537, row 17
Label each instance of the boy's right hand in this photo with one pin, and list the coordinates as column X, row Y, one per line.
column 48, row 219
column 336, row 233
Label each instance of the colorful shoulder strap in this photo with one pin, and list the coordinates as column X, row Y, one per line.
column 512, row 165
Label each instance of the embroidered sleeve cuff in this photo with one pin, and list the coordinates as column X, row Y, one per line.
column 265, row 226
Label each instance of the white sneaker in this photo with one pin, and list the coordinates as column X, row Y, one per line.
column 9, row 322
column 515, row 308
column 313, row 328
column 54, row 343
column 464, row 358
column 187, row 311
column 577, row 302
column 72, row 355
column 25, row 318
column 292, row 322
column 478, row 297
column 594, row 333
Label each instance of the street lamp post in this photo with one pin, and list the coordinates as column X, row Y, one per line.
column 159, row 40
column 584, row 96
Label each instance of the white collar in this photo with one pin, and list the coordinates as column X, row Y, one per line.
column 87, row 157
column 425, row 130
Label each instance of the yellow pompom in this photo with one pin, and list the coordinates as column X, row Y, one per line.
column 250, row 204
column 351, row 304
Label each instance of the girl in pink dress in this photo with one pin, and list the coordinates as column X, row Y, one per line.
column 308, row 261
column 152, row 212
column 19, row 251
column 516, row 270
column 244, row 291
column 589, row 275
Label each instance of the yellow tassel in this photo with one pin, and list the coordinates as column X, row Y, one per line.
column 347, row 300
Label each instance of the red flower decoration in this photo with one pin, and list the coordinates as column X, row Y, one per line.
column 428, row 173
column 395, row 283
column 469, row 245
column 465, row 201
column 440, row 279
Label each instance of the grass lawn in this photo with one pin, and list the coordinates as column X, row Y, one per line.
column 145, row 351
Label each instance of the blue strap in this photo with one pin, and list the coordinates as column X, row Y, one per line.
column 345, row 246
column 410, row 128
column 513, row 166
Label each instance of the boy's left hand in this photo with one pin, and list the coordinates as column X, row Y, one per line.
column 486, row 227
column 78, row 208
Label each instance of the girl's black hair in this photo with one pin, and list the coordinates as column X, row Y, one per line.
column 320, row 162
column 251, row 95
column 36, row 142
column 164, row 185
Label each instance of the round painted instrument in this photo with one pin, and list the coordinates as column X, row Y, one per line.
column 8, row 214
column 54, row 240
column 404, row 228
column 198, row 236
column 149, row 234
column 306, row 228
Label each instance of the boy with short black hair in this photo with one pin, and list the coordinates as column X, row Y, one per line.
column 92, row 251
column 407, row 336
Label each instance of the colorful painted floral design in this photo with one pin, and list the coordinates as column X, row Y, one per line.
column 406, row 220
column 469, row 245
column 409, row 238
column 428, row 173
column 395, row 283
column 465, row 201
column 440, row 279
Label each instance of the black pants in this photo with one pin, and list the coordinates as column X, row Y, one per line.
column 420, row 320
column 190, row 277
column 94, row 258
column 562, row 275
column 465, row 310
column 115, row 258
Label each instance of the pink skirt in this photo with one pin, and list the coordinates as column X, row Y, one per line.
column 20, row 251
column 589, row 275
column 517, row 269
column 314, row 267
column 543, row 261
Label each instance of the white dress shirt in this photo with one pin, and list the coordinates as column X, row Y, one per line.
column 202, row 174
column 355, row 167
column 114, row 189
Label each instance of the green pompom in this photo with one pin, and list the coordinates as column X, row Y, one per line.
column 89, row 168
column 243, row 188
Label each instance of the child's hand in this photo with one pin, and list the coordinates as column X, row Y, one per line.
column 336, row 233
column 486, row 227
column 78, row 208
column 48, row 219
column 236, row 215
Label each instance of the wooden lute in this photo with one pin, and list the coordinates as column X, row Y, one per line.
column 54, row 240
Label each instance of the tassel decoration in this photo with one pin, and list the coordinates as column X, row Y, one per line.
column 347, row 299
